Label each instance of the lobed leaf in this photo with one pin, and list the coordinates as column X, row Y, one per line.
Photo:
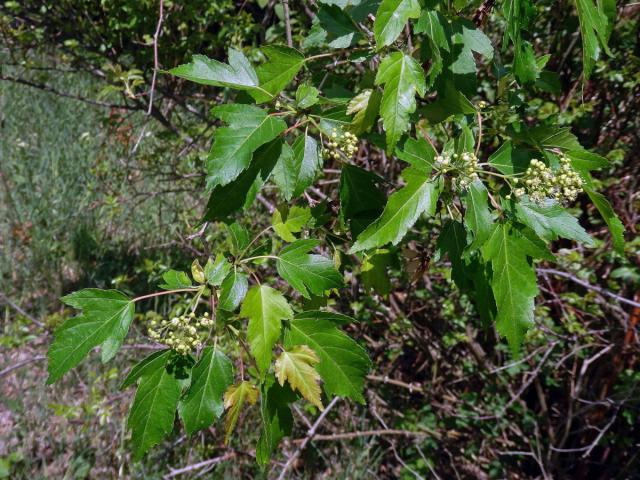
column 297, row 367
column 249, row 128
column 265, row 308
column 402, row 77
column 306, row 272
column 234, row 399
column 105, row 320
column 403, row 209
column 343, row 362
column 153, row 411
column 210, row 378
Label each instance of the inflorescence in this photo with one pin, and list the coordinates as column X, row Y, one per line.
column 346, row 143
column 182, row 333
column 463, row 167
column 540, row 182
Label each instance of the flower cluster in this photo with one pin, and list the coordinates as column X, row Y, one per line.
column 346, row 143
column 568, row 181
column 463, row 167
column 182, row 333
column 540, row 182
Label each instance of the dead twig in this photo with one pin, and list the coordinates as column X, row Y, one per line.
column 587, row 285
column 11, row 368
column 365, row 433
column 287, row 22
column 305, row 441
column 156, row 36
column 20, row 310
column 200, row 465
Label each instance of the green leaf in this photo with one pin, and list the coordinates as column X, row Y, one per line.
column 216, row 271
column 374, row 272
column 472, row 38
column 339, row 29
column 306, row 96
column 242, row 192
column 276, row 417
column 265, row 308
column 514, row 280
column 520, row 14
column 105, row 319
column 297, row 367
column 175, row 280
column 419, row 153
column 402, row 77
column 282, row 66
column 210, row 378
column 453, row 242
column 550, row 221
column 366, row 106
column 154, row 406
column 238, row 237
column 249, row 128
column 509, row 161
column 466, row 41
column 238, row 74
column 234, row 399
column 287, row 221
column 584, row 160
column 549, row 136
column 305, row 272
column 232, row 291
column 361, row 201
column 434, row 25
column 343, row 362
column 298, row 167
column 391, row 17
column 146, row 367
column 595, row 30
column 403, row 209
column 525, row 66
column 451, row 102
column 470, row 275
column 613, row 222
column 438, row 32
column 478, row 216
column 333, row 317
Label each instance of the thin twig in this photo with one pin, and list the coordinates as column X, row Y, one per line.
column 200, row 465
column 21, row 364
column 595, row 288
column 155, row 56
column 287, row 22
column 20, row 310
column 310, row 434
column 412, row 387
column 364, row 433
column 47, row 88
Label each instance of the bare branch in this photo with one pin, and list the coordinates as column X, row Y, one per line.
column 305, row 441
column 156, row 35
column 47, row 88
column 587, row 285
column 287, row 22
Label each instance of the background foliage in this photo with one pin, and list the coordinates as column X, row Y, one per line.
column 97, row 193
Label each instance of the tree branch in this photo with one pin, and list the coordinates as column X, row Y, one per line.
column 47, row 88
column 304, row 442
column 156, row 36
column 587, row 285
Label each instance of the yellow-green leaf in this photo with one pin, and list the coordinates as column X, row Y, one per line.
column 197, row 272
column 234, row 399
column 297, row 366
